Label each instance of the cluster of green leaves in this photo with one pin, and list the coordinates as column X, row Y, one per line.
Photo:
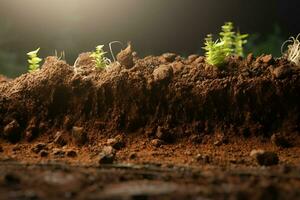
column 99, row 57
column 34, row 60
column 229, row 43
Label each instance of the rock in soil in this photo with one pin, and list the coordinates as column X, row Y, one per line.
column 163, row 134
column 163, row 73
column 280, row 141
column 192, row 58
column 117, row 142
column 168, row 57
column 106, row 158
column 125, row 57
column 267, row 59
column 68, row 123
column 281, row 72
column 250, row 58
column 177, row 67
column 44, row 153
column 59, row 139
column 132, row 156
column 107, row 155
column 108, row 150
column 220, row 140
column 72, row 154
column 32, row 130
column 38, row 147
column 196, row 139
column 204, row 159
column 79, row 135
column 157, row 142
column 265, row 158
column 59, row 153
column 12, row 131
column 201, row 59
column 17, row 148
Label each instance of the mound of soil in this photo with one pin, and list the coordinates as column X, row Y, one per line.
column 166, row 97
column 162, row 127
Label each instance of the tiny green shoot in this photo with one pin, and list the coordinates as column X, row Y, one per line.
column 33, row 60
column 99, row 57
column 229, row 43
column 293, row 50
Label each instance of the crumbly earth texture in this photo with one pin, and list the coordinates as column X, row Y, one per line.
column 162, row 127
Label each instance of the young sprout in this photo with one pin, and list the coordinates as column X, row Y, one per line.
column 227, row 37
column 34, row 60
column 215, row 55
column 229, row 43
column 239, row 41
column 293, row 51
column 62, row 55
column 99, row 57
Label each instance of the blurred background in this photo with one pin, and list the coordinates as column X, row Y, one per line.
column 153, row 26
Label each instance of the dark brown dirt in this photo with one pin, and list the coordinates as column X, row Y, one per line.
column 182, row 116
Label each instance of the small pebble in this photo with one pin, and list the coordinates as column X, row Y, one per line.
column 44, row 153
column 157, row 142
column 106, row 158
column 280, row 141
column 59, row 139
column 132, row 156
column 265, row 158
column 72, row 154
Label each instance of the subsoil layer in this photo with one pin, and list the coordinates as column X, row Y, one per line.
column 161, row 127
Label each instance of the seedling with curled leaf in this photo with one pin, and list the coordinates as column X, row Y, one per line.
column 34, row 60
column 99, row 57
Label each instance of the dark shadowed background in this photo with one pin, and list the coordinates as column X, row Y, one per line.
column 153, row 26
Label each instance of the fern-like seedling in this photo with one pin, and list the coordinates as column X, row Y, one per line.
column 293, row 51
column 229, row 43
column 99, row 57
column 34, row 60
column 239, row 41
column 227, row 36
column 215, row 54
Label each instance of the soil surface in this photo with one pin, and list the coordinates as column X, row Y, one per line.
column 162, row 127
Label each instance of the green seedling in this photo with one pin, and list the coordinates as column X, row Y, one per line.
column 240, row 41
column 230, row 43
column 215, row 53
column 227, row 37
column 34, row 60
column 293, row 50
column 99, row 57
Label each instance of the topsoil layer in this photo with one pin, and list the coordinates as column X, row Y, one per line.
column 160, row 127
column 168, row 97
